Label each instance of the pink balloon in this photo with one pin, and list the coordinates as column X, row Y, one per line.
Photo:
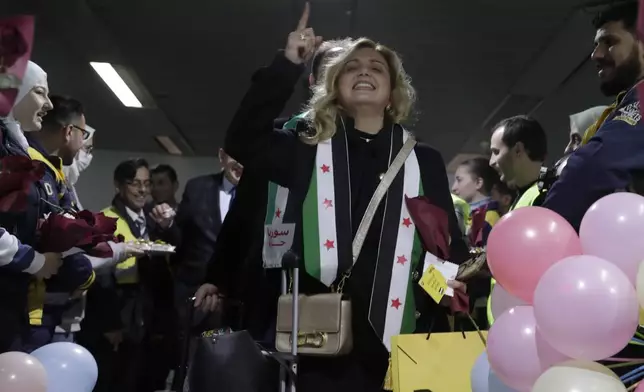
column 503, row 301
column 516, row 351
column 640, row 386
column 567, row 306
column 21, row 372
column 640, row 30
column 611, row 230
column 524, row 244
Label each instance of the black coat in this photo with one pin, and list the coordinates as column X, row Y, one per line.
column 199, row 220
column 281, row 157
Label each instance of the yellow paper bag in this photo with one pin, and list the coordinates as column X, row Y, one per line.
column 441, row 363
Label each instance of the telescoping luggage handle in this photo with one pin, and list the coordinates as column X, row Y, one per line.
column 291, row 263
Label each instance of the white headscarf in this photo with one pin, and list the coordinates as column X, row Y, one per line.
column 34, row 76
column 582, row 120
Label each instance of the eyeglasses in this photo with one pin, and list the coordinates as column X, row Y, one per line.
column 86, row 134
column 139, row 184
column 88, row 149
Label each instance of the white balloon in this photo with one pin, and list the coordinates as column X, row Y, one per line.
column 578, row 376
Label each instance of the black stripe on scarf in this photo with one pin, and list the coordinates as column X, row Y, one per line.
column 380, row 300
column 342, row 202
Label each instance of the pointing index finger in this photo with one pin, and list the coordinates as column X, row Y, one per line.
column 304, row 19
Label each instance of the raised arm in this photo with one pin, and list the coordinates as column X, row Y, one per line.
column 251, row 138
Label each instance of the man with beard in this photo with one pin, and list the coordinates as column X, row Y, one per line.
column 612, row 149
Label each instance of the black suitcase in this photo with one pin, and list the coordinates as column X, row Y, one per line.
column 222, row 360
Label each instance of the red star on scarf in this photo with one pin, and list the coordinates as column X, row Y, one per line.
column 395, row 303
column 278, row 213
column 401, row 259
column 328, row 203
column 406, row 222
column 329, row 244
column 325, row 168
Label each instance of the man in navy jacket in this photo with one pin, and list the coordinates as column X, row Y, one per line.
column 613, row 151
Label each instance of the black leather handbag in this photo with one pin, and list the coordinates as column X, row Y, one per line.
column 225, row 361
column 230, row 362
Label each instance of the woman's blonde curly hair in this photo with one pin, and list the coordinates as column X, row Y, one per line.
column 324, row 106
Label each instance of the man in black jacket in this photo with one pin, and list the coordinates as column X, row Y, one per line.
column 204, row 205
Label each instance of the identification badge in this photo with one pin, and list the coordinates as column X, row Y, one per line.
column 434, row 283
column 278, row 239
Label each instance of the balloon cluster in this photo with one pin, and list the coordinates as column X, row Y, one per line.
column 56, row 367
column 564, row 301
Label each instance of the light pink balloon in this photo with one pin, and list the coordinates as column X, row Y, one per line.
column 21, row 372
column 586, row 307
column 516, row 350
column 612, row 228
column 640, row 87
column 524, row 244
column 640, row 386
column 503, row 301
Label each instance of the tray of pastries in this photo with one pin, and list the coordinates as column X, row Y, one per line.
column 148, row 246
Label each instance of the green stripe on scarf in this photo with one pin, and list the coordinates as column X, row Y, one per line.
column 272, row 187
column 409, row 315
column 270, row 207
column 311, row 229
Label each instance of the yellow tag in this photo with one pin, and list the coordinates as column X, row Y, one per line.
column 434, row 283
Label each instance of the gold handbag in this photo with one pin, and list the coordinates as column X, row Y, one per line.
column 325, row 325
column 325, row 319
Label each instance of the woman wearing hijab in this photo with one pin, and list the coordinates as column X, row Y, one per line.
column 579, row 124
column 332, row 164
column 18, row 260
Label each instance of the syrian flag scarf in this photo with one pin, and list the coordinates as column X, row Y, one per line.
column 327, row 231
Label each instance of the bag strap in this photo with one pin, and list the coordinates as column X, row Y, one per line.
column 372, row 207
column 379, row 194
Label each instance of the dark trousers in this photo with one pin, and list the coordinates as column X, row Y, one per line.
column 12, row 331
column 341, row 374
column 37, row 337
column 118, row 370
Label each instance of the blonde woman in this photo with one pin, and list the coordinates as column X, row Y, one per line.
column 331, row 164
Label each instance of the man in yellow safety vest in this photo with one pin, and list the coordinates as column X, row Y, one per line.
column 519, row 148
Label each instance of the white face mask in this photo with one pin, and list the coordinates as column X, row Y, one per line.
column 81, row 162
column 83, row 159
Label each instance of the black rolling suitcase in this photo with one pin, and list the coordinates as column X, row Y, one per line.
column 222, row 360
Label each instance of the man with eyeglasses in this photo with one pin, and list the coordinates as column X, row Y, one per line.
column 125, row 326
column 61, row 138
column 62, row 133
column 81, row 162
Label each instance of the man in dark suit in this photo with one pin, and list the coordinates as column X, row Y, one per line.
column 204, row 205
